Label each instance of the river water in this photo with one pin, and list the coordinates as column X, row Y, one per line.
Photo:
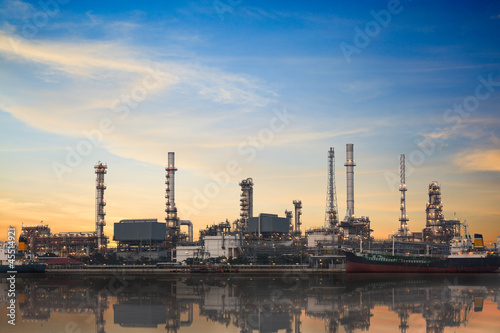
column 237, row 303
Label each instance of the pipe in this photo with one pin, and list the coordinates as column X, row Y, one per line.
column 349, row 163
column 190, row 228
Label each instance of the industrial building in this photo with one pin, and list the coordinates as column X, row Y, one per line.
column 140, row 238
column 185, row 252
column 39, row 239
column 149, row 238
column 268, row 224
column 222, row 246
column 266, row 234
column 134, row 232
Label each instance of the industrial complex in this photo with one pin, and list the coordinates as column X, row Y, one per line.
column 251, row 238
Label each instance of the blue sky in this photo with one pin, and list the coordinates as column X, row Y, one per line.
column 127, row 82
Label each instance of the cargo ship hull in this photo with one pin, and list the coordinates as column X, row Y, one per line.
column 366, row 263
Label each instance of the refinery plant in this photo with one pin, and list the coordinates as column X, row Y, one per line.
column 252, row 237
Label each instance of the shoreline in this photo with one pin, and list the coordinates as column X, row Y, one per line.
column 167, row 271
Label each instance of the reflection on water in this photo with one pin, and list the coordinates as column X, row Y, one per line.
column 283, row 303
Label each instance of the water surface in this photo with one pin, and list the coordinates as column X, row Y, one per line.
column 237, row 303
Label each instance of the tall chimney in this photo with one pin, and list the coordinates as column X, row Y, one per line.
column 349, row 163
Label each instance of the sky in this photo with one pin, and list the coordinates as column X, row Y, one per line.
column 248, row 89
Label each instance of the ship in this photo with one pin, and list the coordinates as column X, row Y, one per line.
column 464, row 257
column 13, row 259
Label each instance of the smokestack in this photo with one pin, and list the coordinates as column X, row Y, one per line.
column 349, row 163
column 171, row 209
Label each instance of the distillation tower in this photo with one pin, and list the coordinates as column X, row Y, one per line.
column 434, row 212
column 100, row 170
column 288, row 215
column 437, row 229
column 403, row 219
column 171, row 210
column 298, row 211
column 246, row 201
column 331, row 213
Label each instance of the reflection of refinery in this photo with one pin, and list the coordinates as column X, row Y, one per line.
column 249, row 236
column 268, row 304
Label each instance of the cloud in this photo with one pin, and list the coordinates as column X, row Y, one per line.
column 109, row 61
column 440, row 134
column 476, row 130
column 83, row 59
column 89, row 76
column 15, row 9
column 479, row 160
column 67, row 86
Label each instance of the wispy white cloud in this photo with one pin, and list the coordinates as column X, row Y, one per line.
column 442, row 133
column 91, row 66
column 478, row 160
column 475, row 129
column 69, row 86
column 16, row 9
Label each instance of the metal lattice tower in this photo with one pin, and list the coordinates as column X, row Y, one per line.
column 100, row 170
column 171, row 210
column 403, row 229
column 331, row 213
column 246, row 201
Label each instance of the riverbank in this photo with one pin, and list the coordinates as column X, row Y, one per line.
column 168, row 271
